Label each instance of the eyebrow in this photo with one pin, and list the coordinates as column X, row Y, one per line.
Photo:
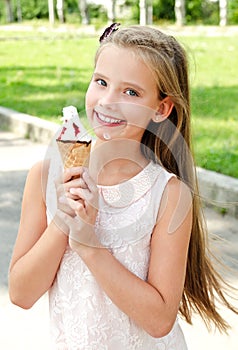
column 128, row 83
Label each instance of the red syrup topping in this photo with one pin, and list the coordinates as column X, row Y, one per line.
column 76, row 129
column 62, row 132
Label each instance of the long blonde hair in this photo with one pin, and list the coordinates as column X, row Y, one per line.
column 169, row 143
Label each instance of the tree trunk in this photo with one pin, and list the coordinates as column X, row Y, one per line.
column 9, row 11
column 83, row 7
column 179, row 10
column 143, row 16
column 223, row 12
column 60, row 10
column 19, row 11
column 51, row 11
column 111, row 11
column 149, row 12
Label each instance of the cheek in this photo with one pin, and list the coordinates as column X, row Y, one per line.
column 91, row 95
column 88, row 97
column 137, row 115
column 89, row 102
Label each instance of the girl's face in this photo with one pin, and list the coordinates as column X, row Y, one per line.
column 122, row 96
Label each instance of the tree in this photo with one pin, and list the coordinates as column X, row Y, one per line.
column 60, row 10
column 83, row 8
column 164, row 9
column 19, row 11
column 223, row 12
column 111, row 11
column 51, row 11
column 146, row 12
column 149, row 12
column 143, row 19
column 9, row 11
column 179, row 10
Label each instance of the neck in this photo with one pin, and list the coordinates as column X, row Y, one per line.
column 114, row 161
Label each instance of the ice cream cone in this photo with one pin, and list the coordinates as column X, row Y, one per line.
column 74, row 153
column 73, row 141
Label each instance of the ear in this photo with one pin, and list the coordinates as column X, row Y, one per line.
column 164, row 110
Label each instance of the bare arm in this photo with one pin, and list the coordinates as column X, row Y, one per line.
column 152, row 304
column 38, row 249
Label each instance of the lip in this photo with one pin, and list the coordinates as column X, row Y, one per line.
column 108, row 121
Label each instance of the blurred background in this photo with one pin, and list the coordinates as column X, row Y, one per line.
column 208, row 12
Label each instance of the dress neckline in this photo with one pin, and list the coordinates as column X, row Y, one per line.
column 125, row 193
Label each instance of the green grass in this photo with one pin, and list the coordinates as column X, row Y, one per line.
column 42, row 72
column 214, row 82
column 40, row 75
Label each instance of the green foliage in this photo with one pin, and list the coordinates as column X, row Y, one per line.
column 32, row 9
column 134, row 6
column 210, row 12
column 97, row 11
column 163, row 9
column 197, row 11
column 233, row 11
column 193, row 11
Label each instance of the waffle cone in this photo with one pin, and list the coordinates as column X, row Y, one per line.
column 74, row 153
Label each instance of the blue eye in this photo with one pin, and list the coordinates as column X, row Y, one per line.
column 101, row 82
column 131, row 92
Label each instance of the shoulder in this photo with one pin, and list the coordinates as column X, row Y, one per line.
column 176, row 203
column 176, row 188
column 169, row 183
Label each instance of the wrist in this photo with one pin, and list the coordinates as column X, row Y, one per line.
column 59, row 228
column 86, row 251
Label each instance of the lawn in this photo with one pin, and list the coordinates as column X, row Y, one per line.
column 39, row 74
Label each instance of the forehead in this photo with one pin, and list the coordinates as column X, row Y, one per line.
column 123, row 62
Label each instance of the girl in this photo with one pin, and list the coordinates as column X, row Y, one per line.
column 123, row 247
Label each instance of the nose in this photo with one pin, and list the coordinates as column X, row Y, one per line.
column 108, row 99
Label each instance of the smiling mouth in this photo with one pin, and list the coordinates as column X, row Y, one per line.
column 109, row 121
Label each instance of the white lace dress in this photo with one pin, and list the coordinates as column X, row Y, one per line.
column 82, row 315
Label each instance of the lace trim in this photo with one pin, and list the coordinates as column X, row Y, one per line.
column 128, row 192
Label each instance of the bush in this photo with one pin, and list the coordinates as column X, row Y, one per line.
column 32, row 9
column 233, row 12
column 163, row 9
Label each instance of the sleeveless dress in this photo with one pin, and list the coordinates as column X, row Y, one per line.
column 82, row 315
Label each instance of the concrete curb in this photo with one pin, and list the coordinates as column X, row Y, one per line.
column 25, row 125
column 217, row 190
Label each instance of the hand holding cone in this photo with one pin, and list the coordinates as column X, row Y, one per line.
column 73, row 142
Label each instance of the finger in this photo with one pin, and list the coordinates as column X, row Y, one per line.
column 76, row 183
column 64, row 190
column 72, row 196
column 78, row 192
column 69, row 173
column 78, row 207
column 89, row 181
column 86, row 196
column 64, row 206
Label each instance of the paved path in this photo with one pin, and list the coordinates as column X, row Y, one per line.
column 28, row 330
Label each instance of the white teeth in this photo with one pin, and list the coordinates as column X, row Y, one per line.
column 109, row 120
